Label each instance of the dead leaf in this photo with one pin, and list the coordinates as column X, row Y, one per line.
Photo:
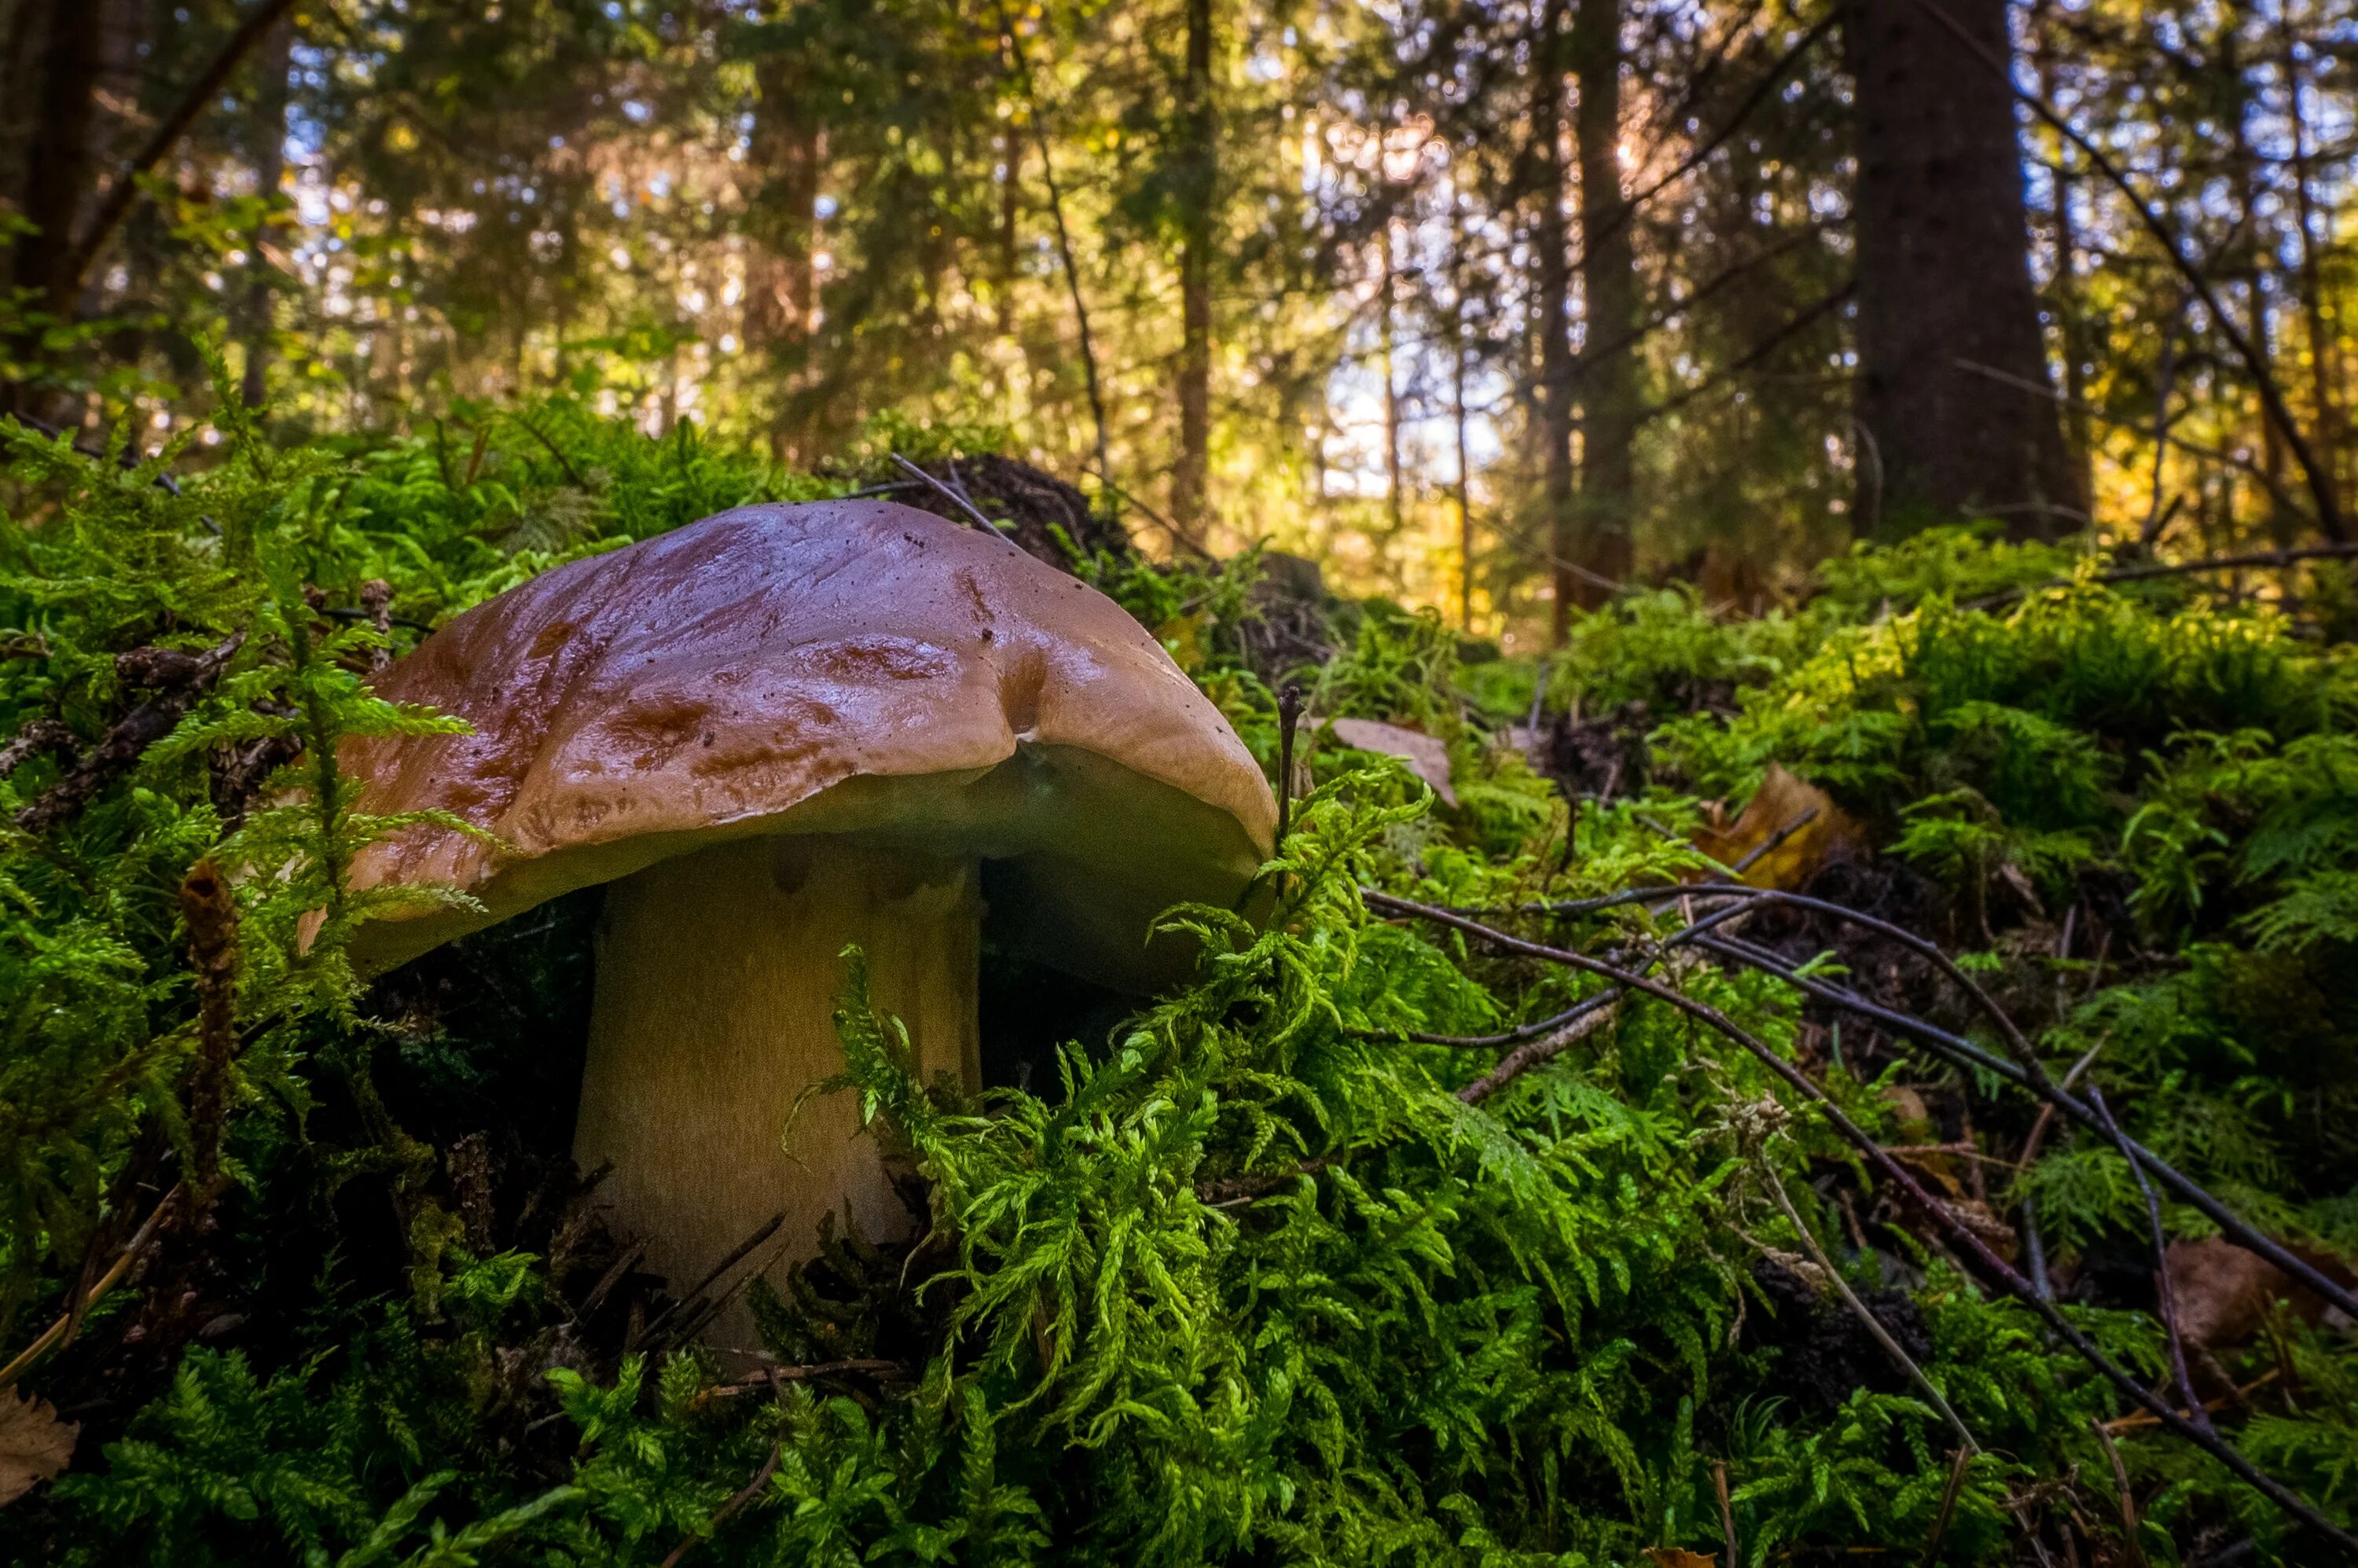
column 1814, row 826
column 1679, row 1557
column 35, row 1445
column 2225, row 1292
column 1427, row 758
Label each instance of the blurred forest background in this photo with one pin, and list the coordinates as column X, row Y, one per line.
column 1486, row 307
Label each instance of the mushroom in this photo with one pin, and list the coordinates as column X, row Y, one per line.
column 771, row 734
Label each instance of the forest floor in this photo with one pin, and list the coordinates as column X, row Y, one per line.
column 1869, row 1080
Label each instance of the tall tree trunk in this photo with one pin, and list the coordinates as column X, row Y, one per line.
column 1552, row 311
column 1393, row 494
column 2257, row 241
column 1944, row 276
column 1608, row 284
column 1199, row 181
column 2323, row 353
column 63, row 54
column 255, row 331
column 1464, row 485
column 2070, row 307
column 782, row 279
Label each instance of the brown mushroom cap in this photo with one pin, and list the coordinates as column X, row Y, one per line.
column 849, row 668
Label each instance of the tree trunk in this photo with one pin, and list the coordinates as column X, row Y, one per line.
column 1608, row 283
column 2257, row 241
column 1464, row 485
column 782, row 280
column 1945, row 276
column 2323, row 353
column 62, row 55
column 1385, row 345
column 255, row 331
column 2071, row 306
column 1551, row 321
column 1198, row 175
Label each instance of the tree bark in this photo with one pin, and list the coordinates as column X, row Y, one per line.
column 1945, row 276
column 1463, row 486
column 63, row 55
column 1608, row 376
column 1394, row 494
column 269, row 166
column 2323, row 350
column 782, row 278
column 1551, row 320
column 1199, row 170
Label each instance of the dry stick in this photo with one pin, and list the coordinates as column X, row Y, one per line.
column 746, row 1494
column 2031, row 1072
column 2128, row 1503
column 1948, row 1503
column 771, row 1375
column 1992, row 1265
column 2175, row 568
column 179, row 679
column 2320, row 483
column 1775, row 840
column 1882, row 1336
column 956, row 498
column 37, row 736
column 55, row 1334
column 736, row 1255
column 1726, row 1513
column 2138, row 1419
column 2166, row 1296
column 1516, row 1036
column 116, row 205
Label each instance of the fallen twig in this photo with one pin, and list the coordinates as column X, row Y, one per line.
column 1970, row 1241
column 1957, row 1467
column 2028, row 1069
column 53, row 1335
column 181, row 677
column 1873, row 1324
column 2149, row 569
column 2165, row 1297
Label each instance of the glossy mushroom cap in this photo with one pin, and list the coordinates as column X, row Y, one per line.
column 845, row 667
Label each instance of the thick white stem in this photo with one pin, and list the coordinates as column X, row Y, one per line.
column 717, row 976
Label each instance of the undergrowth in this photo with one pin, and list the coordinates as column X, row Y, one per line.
column 1250, row 1280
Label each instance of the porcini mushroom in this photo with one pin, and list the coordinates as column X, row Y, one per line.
column 771, row 734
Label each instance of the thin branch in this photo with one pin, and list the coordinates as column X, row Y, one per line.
column 1759, row 351
column 116, row 205
column 56, row 1333
column 1964, row 1235
column 2166, row 1297
column 1733, row 123
column 2272, row 400
column 1020, row 70
column 1769, row 845
column 2267, row 482
column 2146, row 570
column 1882, row 1336
column 956, row 498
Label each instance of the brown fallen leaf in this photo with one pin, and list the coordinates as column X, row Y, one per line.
column 2226, row 1294
column 1679, row 1557
column 1427, row 758
column 35, row 1445
column 1814, row 826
